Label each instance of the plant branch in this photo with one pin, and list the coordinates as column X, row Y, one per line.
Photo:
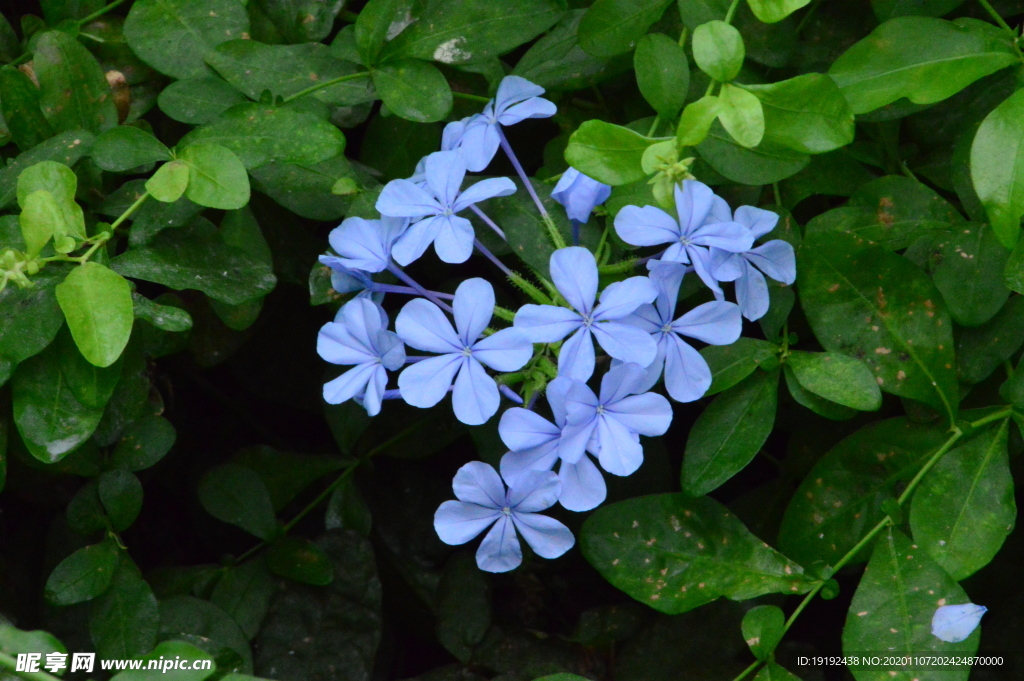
column 326, row 84
column 100, row 12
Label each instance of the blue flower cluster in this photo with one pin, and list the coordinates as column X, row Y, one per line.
column 550, row 346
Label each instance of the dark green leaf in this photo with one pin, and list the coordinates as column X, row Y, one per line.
column 921, row 58
column 608, row 153
column 819, row 405
column 125, row 147
column 463, row 605
column 156, row 216
column 718, row 50
column 235, row 494
column 1014, row 273
column 997, row 167
column 300, row 559
column 414, row 90
column 773, row 671
column 862, row 300
column 964, row 508
column 207, row 627
column 286, row 474
column 85, row 512
column 675, row 553
column 83, row 575
column 143, row 444
column 461, row 31
column 121, row 494
column 373, row 26
column 194, row 257
column 30, row 318
column 763, row 627
column 557, row 62
column 97, row 303
column 771, row 11
column 894, row 604
column 838, row 378
column 216, row 176
column 244, row 592
column 730, row 432
column 198, row 100
column 73, row 92
column 65, row 148
column 765, row 164
column 981, row 350
column 841, row 498
column 91, row 385
column 173, row 36
column 836, row 173
column 347, row 510
column 259, row 134
column 21, row 109
column 305, row 188
column 968, row 265
column 612, row 27
column 730, row 364
column 301, row 20
column 124, row 621
column 807, row 113
column 393, row 145
column 170, row 650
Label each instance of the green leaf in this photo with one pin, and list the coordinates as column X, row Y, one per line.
column 611, row 27
column 765, row 164
column 300, row 559
column 143, row 444
column 85, row 514
column 865, row 301
column 216, row 176
column 893, row 607
column 819, row 405
column 763, row 627
column 997, row 167
column 983, row 349
column 51, row 420
column 235, row 494
column 198, row 100
column 173, row 36
column 305, row 189
column 46, row 193
column 557, row 62
column 697, row 119
column 125, row 620
column 393, row 145
column 347, row 510
column 207, row 627
column 73, row 92
column 923, row 59
column 30, row 318
column 163, row 317
column 808, row 113
column 286, row 474
column 14, row 641
column 841, row 498
column 285, row 70
column 374, row 24
column 730, row 432
column 195, row 257
column 244, row 592
column 83, row 575
column 771, row 11
column 838, row 378
column 40, row 216
column 125, row 147
column 718, row 50
column 964, row 508
column 170, row 181
column 97, row 302
column 461, row 31
column 730, row 364
column 968, row 271
column 608, row 153
column 121, row 494
column 463, row 605
column 91, row 385
column 21, row 110
column 65, row 148
column 1013, row 276
column 527, row 236
column 675, row 553
column 741, row 115
column 414, row 89
column 301, row 20
column 259, row 134
column 886, row 9
column 663, row 73
column 170, row 650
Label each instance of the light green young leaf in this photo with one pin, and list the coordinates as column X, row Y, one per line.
column 838, row 378
column 771, row 11
column 997, row 167
column 718, row 50
column 97, row 303
column 54, row 177
column 236, row 495
column 741, row 115
column 674, row 553
column 14, row 641
column 663, row 73
column 414, row 89
column 608, row 153
column 83, row 575
column 167, row 651
column 65, row 148
column 216, row 177
column 763, row 627
column 40, row 216
column 125, row 147
column 808, row 113
column 169, row 182
column 773, row 671
column 611, row 27
column 695, row 123
column 964, row 508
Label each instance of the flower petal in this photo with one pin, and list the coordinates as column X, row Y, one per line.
column 716, row 322
column 546, row 323
column 374, row 393
column 619, row 449
column 694, row 201
column 500, row 550
column 456, row 522
column 522, row 429
column 425, row 383
column 515, row 89
column 758, row 220
column 336, row 345
column 725, row 266
column 625, row 342
column 390, row 349
column 413, row 243
column 480, row 143
column 350, row 384
column 648, row 414
column 752, row 294
column 405, row 199
column 478, row 483
column 542, row 458
column 583, row 486
column 574, row 273
column 363, row 319
column 473, row 307
column 360, row 244
column 444, row 173
column 701, row 259
column 535, row 107
column 556, row 393
column 422, row 325
column 506, row 350
column 776, row 259
column 576, row 357
column 483, row 190
column 534, row 491
column 454, row 241
column 646, row 226
column 622, row 297
column 687, row 375
column 729, row 236
column 475, row 397
column 546, row 536
column 621, row 380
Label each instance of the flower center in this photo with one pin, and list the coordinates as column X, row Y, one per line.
column 448, row 212
column 506, row 510
column 467, row 351
column 667, row 327
column 600, row 409
column 684, row 240
column 588, row 320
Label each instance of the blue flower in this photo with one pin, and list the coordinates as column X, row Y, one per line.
column 451, row 139
column 704, row 220
column 359, row 336
column 610, row 426
column 775, row 258
column 364, row 245
column 687, row 376
column 579, row 194
column 954, row 623
column 533, row 441
column 516, row 100
column 483, row 501
column 434, row 207
column 423, row 325
column 574, row 273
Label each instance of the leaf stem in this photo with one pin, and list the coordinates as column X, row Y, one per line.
column 128, row 213
column 743, row 674
column 326, row 84
column 100, row 12
column 472, row 98
column 732, row 11
column 1002, row 24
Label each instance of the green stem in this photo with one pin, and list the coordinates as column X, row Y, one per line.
column 504, row 313
column 778, row 195
column 322, row 497
column 811, row 11
column 732, row 11
column 128, row 213
column 10, row 664
column 100, row 12
column 472, row 98
column 553, row 233
column 743, row 674
column 1002, row 24
column 682, row 35
column 326, row 84
column 617, row 268
column 654, row 126
column 530, row 290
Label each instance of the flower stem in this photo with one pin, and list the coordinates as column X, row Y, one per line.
column 470, row 97
column 408, row 290
column 489, row 222
column 429, row 295
column 556, row 236
column 493, row 258
column 100, row 12
column 575, row 232
column 326, row 84
column 510, row 393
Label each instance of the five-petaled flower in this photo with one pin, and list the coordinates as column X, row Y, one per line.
column 423, row 325
column 574, row 273
column 364, row 245
column 483, row 501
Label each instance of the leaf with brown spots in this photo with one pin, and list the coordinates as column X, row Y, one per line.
column 73, row 90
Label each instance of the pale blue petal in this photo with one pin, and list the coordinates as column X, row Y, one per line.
column 720, row 211
column 483, row 190
column 336, row 345
column 500, row 550
column 546, row 536
column 776, row 259
column 574, row 273
column 445, row 171
column 546, row 323
column 425, row 383
column 619, row 449
column 556, row 393
column 422, row 325
column 534, row 491
column 480, row 143
column 687, row 376
column 576, row 357
column 524, row 429
column 652, row 372
column 667, row 280
column 620, row 381
column 729, row 236
column 454, row 241
column 583, row 486
column 752, row 294
column 646, row 226
column 579, row 194
column 648, row 414
column 514, row 89
column 362, row 244
column 676, row 253
column 412, row 244
column 374, row 393
column 580, row 402
column 758, row 220
column 954, row 623
column 390, row 349
column 701, row 260
column 716, row 323
column 622, row 297
column 344, row 280
column 575, row 439
column 456, row 522
column 475, row 398
column 405, row 199
column 694, row 201
column 646, row 318
column 536, row 107
column 726, row 266
column 478, row 483
column 451, row 138
column 473, row 307
column 350, row 384
column 625, row 342
column 542, row 458
column 506, row 350
column 363, row 319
